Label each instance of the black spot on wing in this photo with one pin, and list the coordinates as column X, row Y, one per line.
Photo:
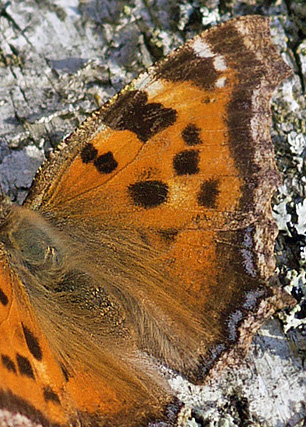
column 25, row 367
column 51, row 396
column 191, row 135
column 186, row 162
column 3, row 298
column 32, row 343
column 148, row 194
column 184, row 65
column 106, row 163
column 131, row 111
column 88, row 153
column 8, row 363
column 208, row 193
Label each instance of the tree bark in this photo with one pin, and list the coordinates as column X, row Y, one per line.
column 61, row 60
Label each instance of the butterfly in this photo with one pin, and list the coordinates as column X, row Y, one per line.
column 146, row 239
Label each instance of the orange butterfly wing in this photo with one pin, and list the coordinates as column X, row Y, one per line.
column 158, row 229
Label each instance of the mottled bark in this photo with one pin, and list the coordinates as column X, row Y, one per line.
column 60, row 60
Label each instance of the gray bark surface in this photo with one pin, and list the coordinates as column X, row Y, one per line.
column 59, row 60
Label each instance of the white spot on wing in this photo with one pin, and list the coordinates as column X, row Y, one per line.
column 147, row 84
column 201, row 49
column 219, row 63
column 221, row 82
column 154, row 88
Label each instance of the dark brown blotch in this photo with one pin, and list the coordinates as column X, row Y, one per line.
column 186, row 66
column 148, row 194
column 132, row 112
column 51, row 396
column 191, row 135
column 209, row 193
column 106, row 163
column 3, row 298
column 169, row 234
column 8, row 363
column 88, row 153
column 186, row 162
column 24, row 366
column 32, row 343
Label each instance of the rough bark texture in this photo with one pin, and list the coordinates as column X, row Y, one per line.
column 61, row 59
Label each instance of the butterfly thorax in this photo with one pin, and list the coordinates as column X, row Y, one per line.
column 50, row 267
column 29, row 240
